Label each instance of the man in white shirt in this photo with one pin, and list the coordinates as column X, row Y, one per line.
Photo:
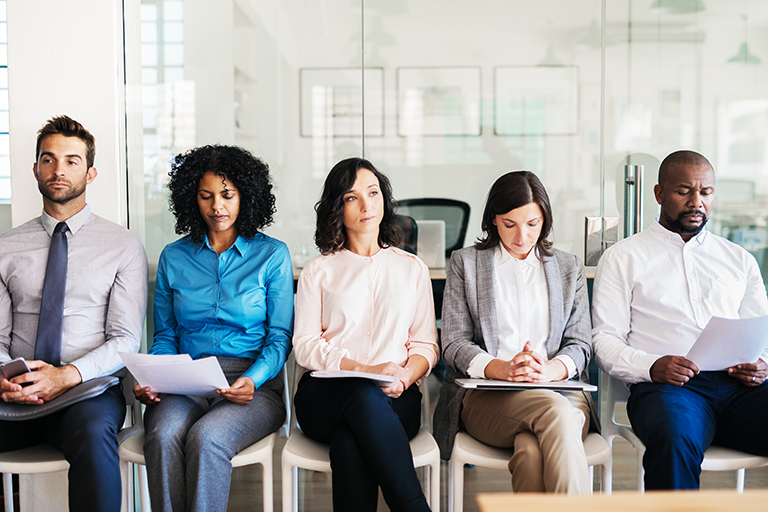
column 654, row 293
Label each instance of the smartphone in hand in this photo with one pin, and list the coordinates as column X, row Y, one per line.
column 14, row 368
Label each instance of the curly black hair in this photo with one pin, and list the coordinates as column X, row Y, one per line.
column 330, row 233
column 249, row 174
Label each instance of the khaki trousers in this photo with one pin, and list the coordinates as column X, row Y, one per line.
column 546, row 429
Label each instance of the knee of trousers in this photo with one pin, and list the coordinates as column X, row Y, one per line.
column 563, row 420
column 205, row 439
column 675, row 440
column 366, row 397
column 92, row 440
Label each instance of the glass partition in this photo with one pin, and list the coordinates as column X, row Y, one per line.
column 453, row 95
column 692, row 75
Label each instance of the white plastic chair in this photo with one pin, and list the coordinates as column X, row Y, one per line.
column 132, row 451
column 716, row 458
column 44, row 458
column 302, row 452
column 468, row 450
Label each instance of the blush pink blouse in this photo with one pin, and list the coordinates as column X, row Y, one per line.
column 373, row 309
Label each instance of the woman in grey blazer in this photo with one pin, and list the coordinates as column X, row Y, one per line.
column 516, row 309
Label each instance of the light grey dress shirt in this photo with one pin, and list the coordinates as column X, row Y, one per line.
column 105, row 298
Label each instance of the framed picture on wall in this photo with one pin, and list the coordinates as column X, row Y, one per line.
column 332, row 102
column 439, row 101
column 535, row 100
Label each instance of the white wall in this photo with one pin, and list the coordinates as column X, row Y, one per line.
column 67, row 58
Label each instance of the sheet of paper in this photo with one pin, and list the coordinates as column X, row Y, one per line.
column 177, row 375
column 726, row 342
column 381, row 380
column 572, row 385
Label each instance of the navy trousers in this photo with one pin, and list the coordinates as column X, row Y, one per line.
column 677, row 424
column 87, row 434
column 368, row 433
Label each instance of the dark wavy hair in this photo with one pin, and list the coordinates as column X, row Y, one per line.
column 249, row 174
column 330, row 233
column 513, row 190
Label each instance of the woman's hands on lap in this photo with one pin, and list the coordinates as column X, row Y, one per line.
column 144, row 395
column 395, row 370
column 526, row 366
column 240, row 392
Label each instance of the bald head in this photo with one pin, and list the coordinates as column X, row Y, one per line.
column 681, row 158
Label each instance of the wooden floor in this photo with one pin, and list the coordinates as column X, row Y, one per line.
column 315, row 488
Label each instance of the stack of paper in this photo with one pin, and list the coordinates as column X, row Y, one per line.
column 176, row 374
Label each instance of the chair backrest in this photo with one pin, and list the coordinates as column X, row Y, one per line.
column 454, row 213
column 409, row 232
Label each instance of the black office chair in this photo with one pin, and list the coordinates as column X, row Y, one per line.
column 409, row 232
column 454, row 213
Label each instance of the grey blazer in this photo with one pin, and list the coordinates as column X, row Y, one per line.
column 470, row 326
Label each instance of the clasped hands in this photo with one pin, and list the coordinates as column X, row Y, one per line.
column 526, row 366
column 240, row 392
column 46, row 382
column 677, row 370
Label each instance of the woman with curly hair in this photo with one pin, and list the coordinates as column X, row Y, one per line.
column 224, row 290
column 366, row 306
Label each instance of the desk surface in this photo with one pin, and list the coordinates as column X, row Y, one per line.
column 627, row 501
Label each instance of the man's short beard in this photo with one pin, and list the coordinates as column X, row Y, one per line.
column 62, row 198
column 678, row 226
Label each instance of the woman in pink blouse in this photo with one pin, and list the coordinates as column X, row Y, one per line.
column 366, row 306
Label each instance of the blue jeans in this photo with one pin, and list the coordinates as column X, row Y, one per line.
column 190, row 441
column 87, row 434
column 368, row 433
column 677, row 424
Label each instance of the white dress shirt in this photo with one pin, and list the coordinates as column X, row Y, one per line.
column 654, row 294
column 522, row 310
column 105, row 298
column 370, row 309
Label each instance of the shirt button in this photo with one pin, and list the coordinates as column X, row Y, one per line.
column 218, row 281
column 370, row 286
column 217, row 344
column 368, row 333
column 215, row 306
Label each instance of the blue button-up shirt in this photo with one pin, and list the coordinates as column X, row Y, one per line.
column 236, row 304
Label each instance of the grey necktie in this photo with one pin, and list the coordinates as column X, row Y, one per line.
column 48, row 344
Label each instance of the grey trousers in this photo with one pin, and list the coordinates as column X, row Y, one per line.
column 190, row 441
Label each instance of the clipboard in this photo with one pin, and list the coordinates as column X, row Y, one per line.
column 503, row 385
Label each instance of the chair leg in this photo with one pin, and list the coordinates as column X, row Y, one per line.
column 8, row 491
column 287, row 476
column 434, row 476
column 295, row 489
column 126, row 479
column 607, row 477
column 740, row 480
column 456, row 485
column 268, row 482
column 591, row 470
column 427, row 484
column 144, row 489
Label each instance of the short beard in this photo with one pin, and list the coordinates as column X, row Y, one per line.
column 64, row 196
column 677, row 224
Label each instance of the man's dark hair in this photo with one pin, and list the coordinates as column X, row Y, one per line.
column 682, row 157
column 68, row 127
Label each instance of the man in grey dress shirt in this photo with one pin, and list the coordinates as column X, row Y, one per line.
column 105, row 299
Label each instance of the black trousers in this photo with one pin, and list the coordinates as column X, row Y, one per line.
column 87, row 434
column 368, row 433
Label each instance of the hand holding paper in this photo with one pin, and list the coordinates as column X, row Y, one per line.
column 176, row 374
